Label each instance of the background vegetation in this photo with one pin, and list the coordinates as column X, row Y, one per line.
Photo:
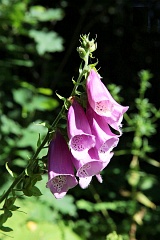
column 38, row 57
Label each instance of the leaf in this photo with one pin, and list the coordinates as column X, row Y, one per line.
column 22, row 96
column 8, row 205
column 42, row 14
column 47, row 41
column 60, row 97
column 45, row 91
column 10, row 171
column 3, row 217
column 145, row 200
column 9, row 126
column 36, row 191
column 27, row 192
column 14, row 208
column 6, row 229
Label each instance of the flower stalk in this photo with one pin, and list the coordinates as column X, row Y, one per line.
column 33, row 163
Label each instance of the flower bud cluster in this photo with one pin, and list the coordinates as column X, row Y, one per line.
column 91, row 141
column 87, row 47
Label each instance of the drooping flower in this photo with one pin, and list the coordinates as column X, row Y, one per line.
column 60, row 167
column 102, row 102
column 105, row 139
column 79, row 132
column 90, row 166
column 85, row 177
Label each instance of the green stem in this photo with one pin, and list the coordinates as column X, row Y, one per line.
column 80, row 75
column 45, row 140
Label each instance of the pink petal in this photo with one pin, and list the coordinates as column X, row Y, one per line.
column 84, row 182
column 79, row 132
column 105, row 139
column 101, row 100
column 99, row 178
column 60, row 167
column 88, row 166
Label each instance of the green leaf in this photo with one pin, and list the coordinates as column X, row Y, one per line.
column 32, row 191
column 10, row 171
column 27, row 192
column 14, row 208
column 8, row 204
column 60, row 97
column 42, row 14
column 6, row 229
column 45, row 91
column 9, row 126
column 42, row 103
column 145, row 200
column 36, row 191
column 47, row 41
column 3, row 217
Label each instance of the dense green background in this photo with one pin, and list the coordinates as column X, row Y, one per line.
column 38, row 41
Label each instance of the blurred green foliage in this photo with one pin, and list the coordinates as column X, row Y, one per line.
column 126, row 205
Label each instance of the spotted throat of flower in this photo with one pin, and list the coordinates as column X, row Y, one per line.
column 104, row 107
column 58, row 182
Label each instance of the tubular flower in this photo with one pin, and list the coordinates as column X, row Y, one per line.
column 88, row 166
column 79, row 132
column 102, row 102
column 105, row 139
column 60, row 167
column 85, row 180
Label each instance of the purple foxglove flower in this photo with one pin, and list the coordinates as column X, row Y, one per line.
column 105, row 139
column 89, row 166
column 60, row 167
column 85, row 180
column 79, row 132
column 102, row 102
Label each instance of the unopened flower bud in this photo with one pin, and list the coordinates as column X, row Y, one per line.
column 82, row 52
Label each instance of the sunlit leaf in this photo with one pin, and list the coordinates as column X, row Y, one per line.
column 10, row 171
column 47, row 41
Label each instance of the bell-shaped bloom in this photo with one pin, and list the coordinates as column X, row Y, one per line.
column 79, row 132
column 105, row 139
column 60, row 167
column 85, row 178
column 90, row 166
column 102, row 102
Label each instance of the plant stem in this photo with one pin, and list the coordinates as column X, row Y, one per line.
column 46, row 138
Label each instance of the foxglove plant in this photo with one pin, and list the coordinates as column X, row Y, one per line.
column 60, row 167
column 102, row 102
column 90, row 141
